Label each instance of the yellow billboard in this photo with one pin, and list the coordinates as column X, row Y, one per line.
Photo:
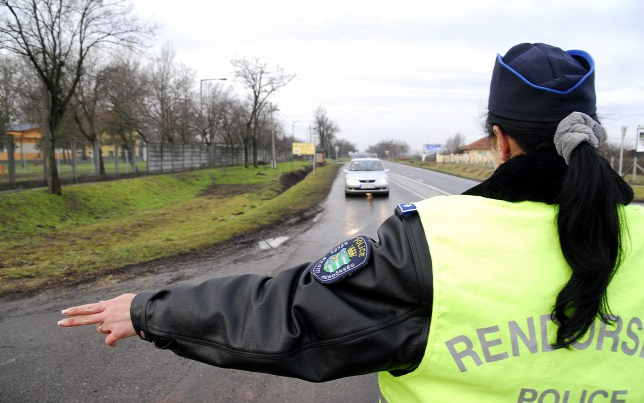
column 303, row 149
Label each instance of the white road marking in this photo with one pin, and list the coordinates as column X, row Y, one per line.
column 402, row 178
column 272, row 243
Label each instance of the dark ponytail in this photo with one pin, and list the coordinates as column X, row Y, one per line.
column 588, row 222
column 589, row 234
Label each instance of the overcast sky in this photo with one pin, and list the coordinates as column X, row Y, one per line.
column 416, row 71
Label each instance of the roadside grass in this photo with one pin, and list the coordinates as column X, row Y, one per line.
column 94, row 229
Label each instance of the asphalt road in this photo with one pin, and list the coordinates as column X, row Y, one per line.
column 40, row 362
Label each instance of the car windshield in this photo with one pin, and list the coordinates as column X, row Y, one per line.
column 366, row 166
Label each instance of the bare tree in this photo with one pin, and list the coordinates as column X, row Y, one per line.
column 125, row 91
column 160, row 103
column 234, row 122
column 26, row 89
column 262, row 83
column 454, row 144
column 265, row 122
column 389, row 149
column 345, row 147
column 56, row 37
column 170, row 105
column 8, row 99
column 8, row 106
column 325, row 129
column 215, row 106
column 88, row 106
column 186, row 104
column 18, row 92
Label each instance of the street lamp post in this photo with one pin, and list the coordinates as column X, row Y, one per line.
column 293, row 129
column 273, row 160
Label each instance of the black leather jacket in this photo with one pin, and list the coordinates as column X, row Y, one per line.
column 293, row 325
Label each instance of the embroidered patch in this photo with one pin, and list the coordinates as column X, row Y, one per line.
column 343, row 260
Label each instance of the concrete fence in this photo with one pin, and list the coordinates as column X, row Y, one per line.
column 467, row 159
column 22, row 167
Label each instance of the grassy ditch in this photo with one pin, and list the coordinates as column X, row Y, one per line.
column 94, row 229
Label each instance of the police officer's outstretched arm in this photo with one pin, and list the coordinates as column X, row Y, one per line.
column 293, row 324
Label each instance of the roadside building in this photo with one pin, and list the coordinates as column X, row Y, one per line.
column 27, row 138
column 479, row 151
column 476, row 153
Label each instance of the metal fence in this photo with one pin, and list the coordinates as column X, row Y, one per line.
column 21, row 164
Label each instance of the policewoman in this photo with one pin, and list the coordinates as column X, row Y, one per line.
column 524, row 289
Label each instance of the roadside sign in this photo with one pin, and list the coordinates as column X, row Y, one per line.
column 431, row 148
column 303, row 149
column 640, row 140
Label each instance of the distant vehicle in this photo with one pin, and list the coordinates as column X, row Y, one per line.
column 359, row 155
column 366, row 175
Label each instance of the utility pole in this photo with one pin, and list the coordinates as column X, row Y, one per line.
column 621, row 150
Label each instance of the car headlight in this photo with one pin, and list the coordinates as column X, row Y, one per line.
column 382, row 181
column 351, row 182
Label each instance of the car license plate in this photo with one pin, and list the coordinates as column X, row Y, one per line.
column 367, row 186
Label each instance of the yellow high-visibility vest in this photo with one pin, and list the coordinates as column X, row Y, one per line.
column 497, row 269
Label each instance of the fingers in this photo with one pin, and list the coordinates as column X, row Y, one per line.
column 81, row 320
column 112, row 340
column 111, row 317
column 116, row 331
column 83, row 315
column 84, row 309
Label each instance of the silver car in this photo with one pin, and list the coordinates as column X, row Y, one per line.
column 366, row 175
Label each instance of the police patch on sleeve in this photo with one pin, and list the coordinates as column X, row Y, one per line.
column 343, row 260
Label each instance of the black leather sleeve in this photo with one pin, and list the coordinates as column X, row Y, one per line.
column 292, row 325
